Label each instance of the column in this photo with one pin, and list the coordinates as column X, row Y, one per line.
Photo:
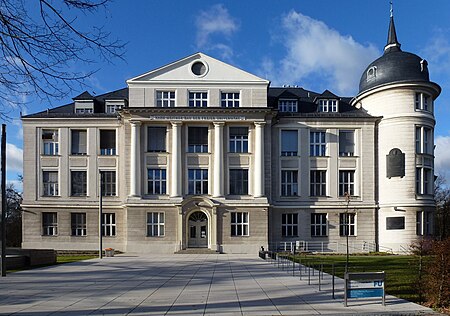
column 135, row 168
column 258, row 171
column 218, row 159
column 176, row 160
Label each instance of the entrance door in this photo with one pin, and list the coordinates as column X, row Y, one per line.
column 198, row 230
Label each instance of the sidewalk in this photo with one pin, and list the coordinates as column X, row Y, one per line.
column 179, row 285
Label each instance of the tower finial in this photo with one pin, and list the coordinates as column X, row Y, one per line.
column 392, row 42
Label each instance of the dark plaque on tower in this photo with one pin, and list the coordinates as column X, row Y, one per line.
column 395, row 163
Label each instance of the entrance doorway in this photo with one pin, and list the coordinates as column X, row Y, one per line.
column 198, row 230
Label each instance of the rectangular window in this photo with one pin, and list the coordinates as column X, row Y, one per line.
column 79, row 142
column 230, row 99
column 319, row 224
column 156, row 139
column 155, row 224
column 49, row 224
column 50, row 183
column 198, row 181
column 112, row 108
column 108, row 183
column 198, row 99
column 87, row 108
column 107, row 142
column 424, row 181
column 239, row 181
column 78, row 183
column 289, row 182
column 197, row 139
column 346, row 143
column 347, row 224
column 424, row 223
column 239, row 139
column 288, row 106
column 289, row 225
column 78, row 223
column 109, row 224
column 165, row 99
column 347, row 182
column 328, row 106
column 318, row 183
column 289, row 143
column 424, row 102
column 317, row 143
column 429, row 223
column 239, row 224
column 156, row 181
column 424, row 142
column 419, row 223
column 50, row 142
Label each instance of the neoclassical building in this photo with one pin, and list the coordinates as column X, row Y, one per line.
column 199, row 153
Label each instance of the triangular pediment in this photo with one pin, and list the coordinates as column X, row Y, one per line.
column 198, row 68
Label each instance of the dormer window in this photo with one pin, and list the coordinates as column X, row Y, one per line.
column 371, row 73
column 328, row 105
column 82, row 107
column 112, row 108
column 288, row 106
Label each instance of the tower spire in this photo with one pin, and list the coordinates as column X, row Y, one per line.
column 392, row 43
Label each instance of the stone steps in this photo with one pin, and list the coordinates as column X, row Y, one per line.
column 196, row 251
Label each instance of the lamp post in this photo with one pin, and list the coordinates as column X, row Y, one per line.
column 4, row 205
column 347, row 228
column 100, row 215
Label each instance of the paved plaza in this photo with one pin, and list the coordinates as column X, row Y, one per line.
column 210, row 284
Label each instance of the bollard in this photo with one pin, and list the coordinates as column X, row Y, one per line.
column 300, row 267
column 309, row 275
column 332, row 282
column 320, row 283
column 293, row 266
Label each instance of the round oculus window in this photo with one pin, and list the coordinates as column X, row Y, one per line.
column 198, row 68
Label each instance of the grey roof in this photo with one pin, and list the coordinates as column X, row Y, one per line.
column 84, row 96
column 395, row 66
column 307, row 105
column 68, row 110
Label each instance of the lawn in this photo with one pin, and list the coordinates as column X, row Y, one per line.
column 401, row 271
column 73, row 258
column 59, row 260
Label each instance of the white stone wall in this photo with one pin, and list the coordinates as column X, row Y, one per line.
column 395, row 105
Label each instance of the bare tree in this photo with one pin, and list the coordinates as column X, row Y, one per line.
column 42, row 44
column 13, row 217
column 442, row 197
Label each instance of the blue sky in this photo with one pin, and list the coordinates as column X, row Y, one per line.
column 316, row 44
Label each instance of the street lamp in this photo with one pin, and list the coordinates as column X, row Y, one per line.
column 100, row 215
column 347, row 228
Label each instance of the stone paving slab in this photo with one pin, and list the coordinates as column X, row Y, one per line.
column 205, row 284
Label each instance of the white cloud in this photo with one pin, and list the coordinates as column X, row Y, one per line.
column 14, row 158
column 18, row 185
column 313, row 49
column 437, row 51
column 214, row 29
column 442, row 155
column 18, row 124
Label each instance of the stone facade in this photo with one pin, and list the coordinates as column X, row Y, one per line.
column 202, row 154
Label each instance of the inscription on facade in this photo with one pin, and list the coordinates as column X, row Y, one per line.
column 395, row 163
column 197, row 118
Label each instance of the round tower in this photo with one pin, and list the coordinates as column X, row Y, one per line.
column 396, row 88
